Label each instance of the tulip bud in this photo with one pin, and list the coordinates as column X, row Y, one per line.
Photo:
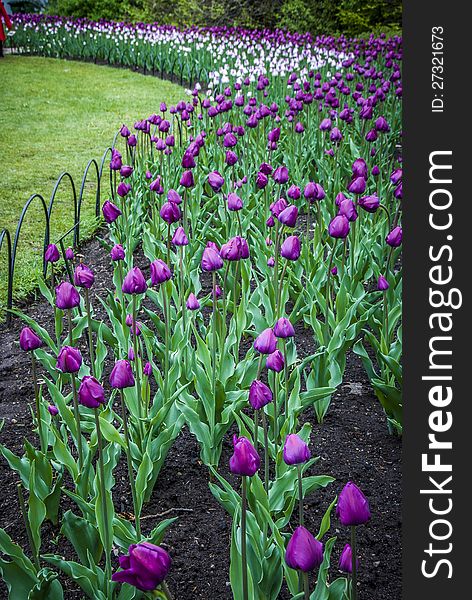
column 123, row 189
column 291, row 248
column 29, row 340
column 192, row 302
column 179, row 238
column 289, row 216
column 134, row 282
column 275, row 361
column 280, row 175
column 67, row 297
column 69, row 360
column 160, row 272
column 304, row 552
column 284, row 328
column 121, row 375
column 117, row 252
column 345, row 560
column 359, row 169
column 357, row 186
column 211, row 260
column 295, row 450
column 266, row 342
column 69, row 254
column 353, row 507
column 259, row 394
column 395, row 237
column 53, row 410
column 187, row 179
column 369, row 203
column 339, row 227
column 83, row 276
column 110, row 212
column 382, row 284
column 170, row 212
column 245, row 460
column 52, row 254
column 234, row 202
column 144, row 567
column 215, row 181
column 91, row 393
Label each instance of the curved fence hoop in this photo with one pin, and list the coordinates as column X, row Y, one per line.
column 18, row 230
column 62, row 176
column 5, row 235
column 109, row 150
column 81, row 193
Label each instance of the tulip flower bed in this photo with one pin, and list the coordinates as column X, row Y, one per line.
column 252, row 240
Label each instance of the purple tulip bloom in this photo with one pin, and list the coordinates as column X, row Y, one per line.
column 295, row 450
column 117, row 252
column 192, row 302
column 369, row 203
column 357, row 186
column 215, row 181
column 339, row 227
column 29, row 340
column 348, row 209
column 284, row 328
column 67, row 297
column 69, row 360
column 382, row 284
column 147, row 370
column 261, row 180
column 69, row 254
column 291, row 248
column 280, row 175
column 211, row 259
column 186, row 180
column 174, row 197
column 395, row 237
column 123, row 189
column 134, row 282
column 266, row 342
column 91, row 393
column 234, row 202
column 304, row 552
column 259, row 394
column 345, row 560
column 121, row 375
column 160, row 272
column 353, row 507
column 275, row 361
column 144, row 567
column 83, row 276
column 289, row 216
column 245, row 460
column 170, row 212
column 110, row 211
column 359, row 169
column 52, row 254
column 179, row 238
column 53, row 410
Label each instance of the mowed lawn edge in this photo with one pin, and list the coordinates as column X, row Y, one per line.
column 55, row 115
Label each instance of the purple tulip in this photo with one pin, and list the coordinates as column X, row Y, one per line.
column 266, row 342
column 294, row 192
column 313, row 191
column 186, row 180
column 291, row 248
column 147, row 370
column 289, row 216
column 280, row 175
column 357, row 186
column 83, row 276
column 174, row 197
column 52, row 254
column 369, row 203
column 245, row 460
column 126, row 171
column 304, row 552
column 396, row 176
column 129, row 321
column 215, row 181
column 345, row 560
column 284, row 328
column 348, row 209
column 359, row 168
column 144, row 567
column 170, row 212
column 275, row 361
column 211, row 259
column 53, row 410
column 121, row 375
column 91, row 393
column 160, row 272
column 29, row 340
column 382, row 284
column 261, row 180
column 271, row 262
column 325, row 125
column 134, row 282
column 259, row 394
column 395, row 237
column 339, row 227
column 234, row 202
column 110, row 211
column 295, row 450
column 117, row 252
column 353, row 507
column 69, row 360
column 192, row 302
column 123, row 189
column 69, row 254
column 67, row 297
column 179, row 238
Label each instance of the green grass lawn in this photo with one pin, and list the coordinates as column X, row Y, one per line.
column 56, row 115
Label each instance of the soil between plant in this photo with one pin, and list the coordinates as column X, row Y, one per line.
column 352, row 443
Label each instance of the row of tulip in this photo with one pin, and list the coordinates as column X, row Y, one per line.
column 255, row 222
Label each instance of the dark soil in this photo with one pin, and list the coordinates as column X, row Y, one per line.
column 352, row 443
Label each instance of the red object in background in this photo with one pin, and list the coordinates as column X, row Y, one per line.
column 4, row 17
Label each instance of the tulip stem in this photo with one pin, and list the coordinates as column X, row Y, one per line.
column 89, row 331
column 69, row 323
column 300, row 495
column 235, row 301
column 276, row 425
column 266, row 452
column 77, row 421
column 285, row 377
column 36, row 398
column 134, row 333
column 328, row 296
column 256, row 427
column 130, row 465
column 166, row 342
column 213, row 347
column 306, row 586
column 182, row 285
column 279, row 291
column 103, row 492
column 24, row 514
column 168, row 243
column 354, row 564
column 243, row 538
column 166, row 591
